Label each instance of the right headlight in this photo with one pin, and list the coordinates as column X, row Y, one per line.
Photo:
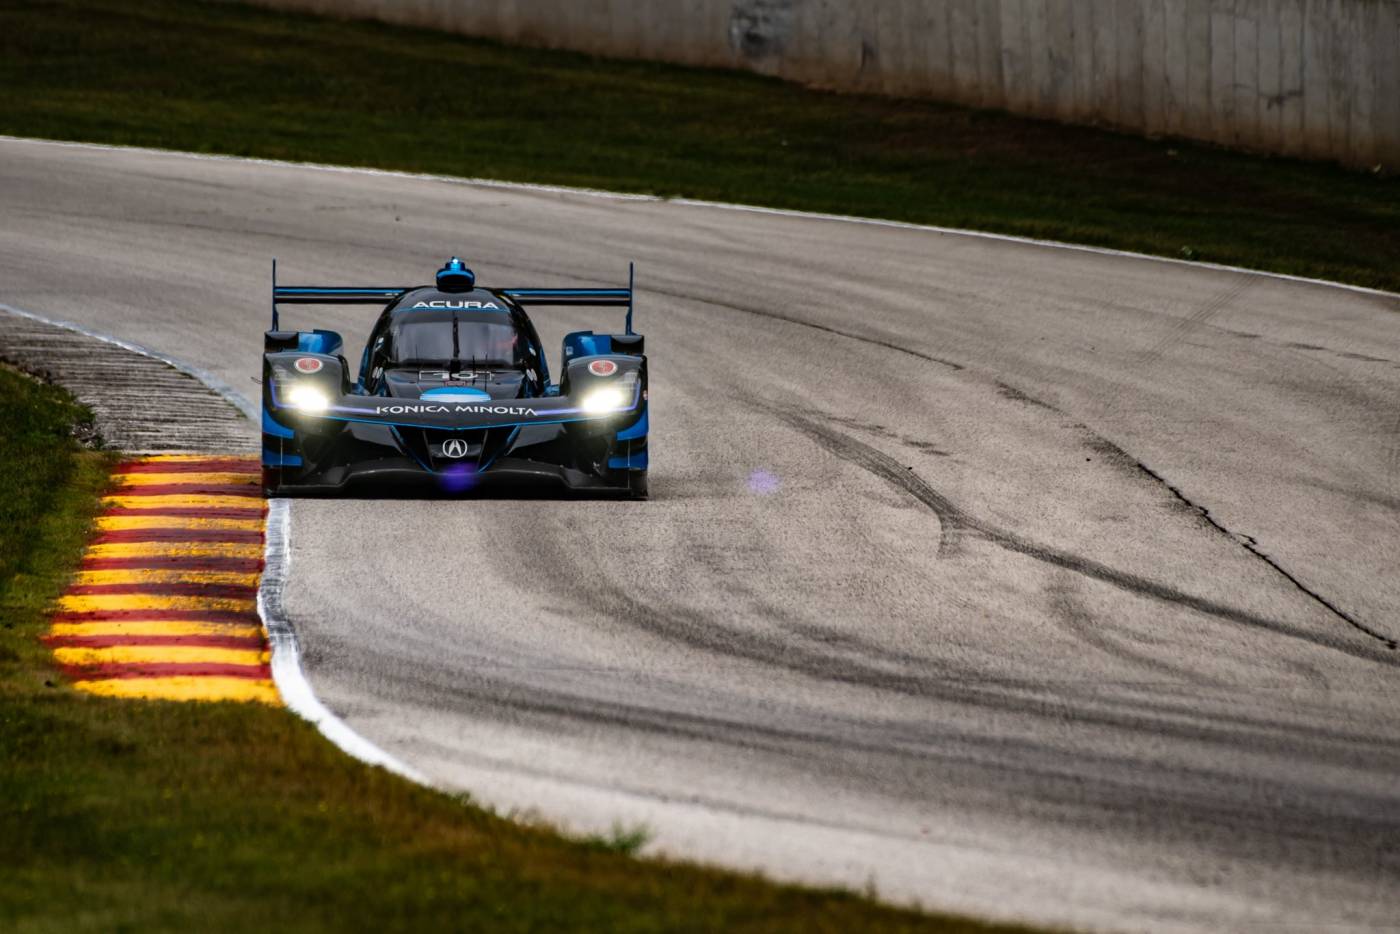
column 604, row 400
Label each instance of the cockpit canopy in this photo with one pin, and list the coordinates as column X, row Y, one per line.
column 439, row 335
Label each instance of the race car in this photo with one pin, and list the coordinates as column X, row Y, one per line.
column 453, row 389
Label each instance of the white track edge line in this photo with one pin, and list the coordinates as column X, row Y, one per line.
column 287, row 672
column 694, row 202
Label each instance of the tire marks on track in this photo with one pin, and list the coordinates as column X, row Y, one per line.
column 1199, row 318
column 952, row 518
column 857, row 664
column 1070, row 613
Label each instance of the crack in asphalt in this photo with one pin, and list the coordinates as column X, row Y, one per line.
column 1251, row 545
column 1247, row 542
column 953, row 518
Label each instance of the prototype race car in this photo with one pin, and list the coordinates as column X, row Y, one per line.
column 453, row 388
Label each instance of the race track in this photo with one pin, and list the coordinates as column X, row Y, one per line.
column 1027, row 582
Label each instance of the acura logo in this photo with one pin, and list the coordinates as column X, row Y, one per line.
column 455, row 448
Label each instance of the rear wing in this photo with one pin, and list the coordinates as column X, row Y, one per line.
column 332, row 295
column 600, row 297
column 328, row 295
column 380, row 295
column 597, row 298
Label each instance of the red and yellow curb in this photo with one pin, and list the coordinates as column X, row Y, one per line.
column 164, row 604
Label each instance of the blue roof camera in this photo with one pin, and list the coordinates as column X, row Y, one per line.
column 455, row 277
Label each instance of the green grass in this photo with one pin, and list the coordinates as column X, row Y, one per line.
column 226, row 78
column 120, row 815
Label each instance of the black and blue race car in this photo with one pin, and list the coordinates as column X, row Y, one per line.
column 453, row 389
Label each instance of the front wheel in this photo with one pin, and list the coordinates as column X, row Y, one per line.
column 637, row 484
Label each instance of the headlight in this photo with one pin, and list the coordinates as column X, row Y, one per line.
column 308, row 399
column 600, row 401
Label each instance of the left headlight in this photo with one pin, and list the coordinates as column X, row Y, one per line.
column 606, row 399
column 308, row 399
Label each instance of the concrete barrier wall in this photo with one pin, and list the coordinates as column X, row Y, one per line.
column 1312, row 78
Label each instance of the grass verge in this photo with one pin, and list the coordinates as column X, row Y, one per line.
column 149, row 816
column 219, row 77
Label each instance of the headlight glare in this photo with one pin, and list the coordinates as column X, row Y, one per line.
column 602, row 401
column 308, row 399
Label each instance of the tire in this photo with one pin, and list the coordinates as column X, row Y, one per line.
column 637, row 484
column 271, row 481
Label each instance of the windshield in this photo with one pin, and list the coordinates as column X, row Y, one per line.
column 431, row 340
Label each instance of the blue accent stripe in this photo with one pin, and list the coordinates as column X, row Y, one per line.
column 271, row 427
column 585, row 344
column 321, row 342
column 637, row 461
column 271, row 458
column 403, row 446
column 463, row 394
column 510, row 442
column 638, row 430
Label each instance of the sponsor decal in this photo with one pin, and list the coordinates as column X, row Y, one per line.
column 443, row 376
column 449, row 303
column 455, row 448
column 308, row 365
column 602, row 368
column 421, row 409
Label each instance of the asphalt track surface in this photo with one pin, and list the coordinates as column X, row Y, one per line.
column 1026, row 582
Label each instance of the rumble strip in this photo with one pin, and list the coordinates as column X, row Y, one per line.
column 164, row 604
